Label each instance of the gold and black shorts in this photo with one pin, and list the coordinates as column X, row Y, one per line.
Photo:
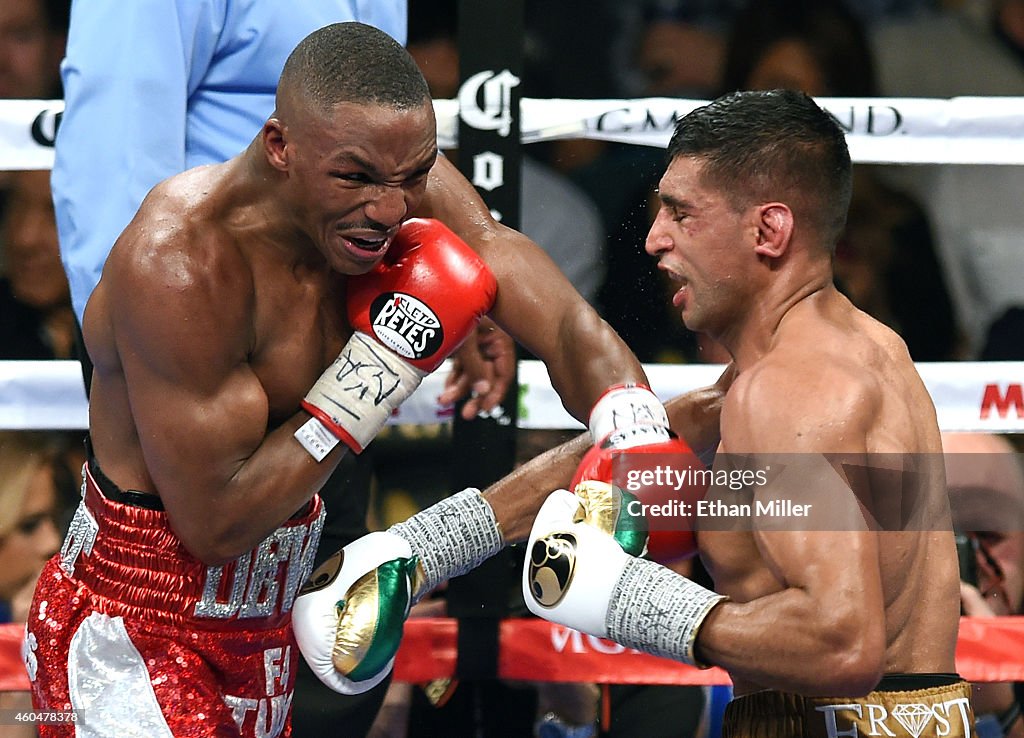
column 913, row 705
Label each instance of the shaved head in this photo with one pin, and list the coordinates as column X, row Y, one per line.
column 350, row 62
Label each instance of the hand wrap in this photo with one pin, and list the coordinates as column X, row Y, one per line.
column 450, row 538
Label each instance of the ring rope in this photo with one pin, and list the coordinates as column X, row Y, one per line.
column 531, row 649
column 981, row 396
column 958, row 130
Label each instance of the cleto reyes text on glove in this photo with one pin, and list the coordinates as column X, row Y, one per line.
column 408, row 314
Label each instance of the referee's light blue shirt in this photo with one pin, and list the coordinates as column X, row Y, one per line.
column 154, row 87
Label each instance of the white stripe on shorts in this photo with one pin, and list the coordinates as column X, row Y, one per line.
column 109, row 684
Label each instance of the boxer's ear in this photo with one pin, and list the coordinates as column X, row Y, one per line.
column 275, row 144
column 774, row 229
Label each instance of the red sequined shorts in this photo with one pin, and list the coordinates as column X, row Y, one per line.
column 134, row 636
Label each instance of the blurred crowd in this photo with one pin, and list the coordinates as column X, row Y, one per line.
column 932, row 251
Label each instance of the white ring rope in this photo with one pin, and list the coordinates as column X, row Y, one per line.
column 969, row 396
column 959, row 130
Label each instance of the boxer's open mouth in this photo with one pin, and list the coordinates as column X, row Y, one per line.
column 365, row 248
column 369, row 244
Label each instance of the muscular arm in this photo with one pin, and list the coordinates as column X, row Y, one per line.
column 180, row 325
column 695, row 415
column 809, row 616
column 536, row 304
column 822, row 634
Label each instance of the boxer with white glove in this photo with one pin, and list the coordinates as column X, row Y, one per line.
column 408, row 314
column 579, row 576
column 348, row 619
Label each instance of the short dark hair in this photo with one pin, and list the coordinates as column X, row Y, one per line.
column 353, row 62
column 772, row 145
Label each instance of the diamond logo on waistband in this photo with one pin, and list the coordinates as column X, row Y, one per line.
column 913, row 717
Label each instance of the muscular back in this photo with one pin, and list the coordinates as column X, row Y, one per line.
column 919, row 569
column 836, row 382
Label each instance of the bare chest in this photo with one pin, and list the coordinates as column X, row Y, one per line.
column 299, row 330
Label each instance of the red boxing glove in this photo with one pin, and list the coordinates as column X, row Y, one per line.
column 636, row 451
column 408, row 314
column 425, row 296
column 667, row 478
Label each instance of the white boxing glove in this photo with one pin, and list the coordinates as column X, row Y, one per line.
column 571, row 567
column 579, row 576
column 348, row 618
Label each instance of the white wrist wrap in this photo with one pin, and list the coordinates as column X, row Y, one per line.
column 451, row 537
column 628, row 416
column 655, row 610
column 359, row 391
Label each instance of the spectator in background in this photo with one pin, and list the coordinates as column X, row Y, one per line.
column 34, row 497
column 32, row 37
column 885, row 261
column 34, row 482
column 986, row 489
column 679, row 48
column 945, row 50
column 36, row 320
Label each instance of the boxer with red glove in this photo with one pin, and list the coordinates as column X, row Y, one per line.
column 408, row 314
column 631, row 433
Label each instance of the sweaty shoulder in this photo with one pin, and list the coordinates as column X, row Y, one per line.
column 178, row 242
column 176, row 277
column 800, row 400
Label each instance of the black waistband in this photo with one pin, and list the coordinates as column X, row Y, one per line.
column 910, row 682
column 114, row 493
